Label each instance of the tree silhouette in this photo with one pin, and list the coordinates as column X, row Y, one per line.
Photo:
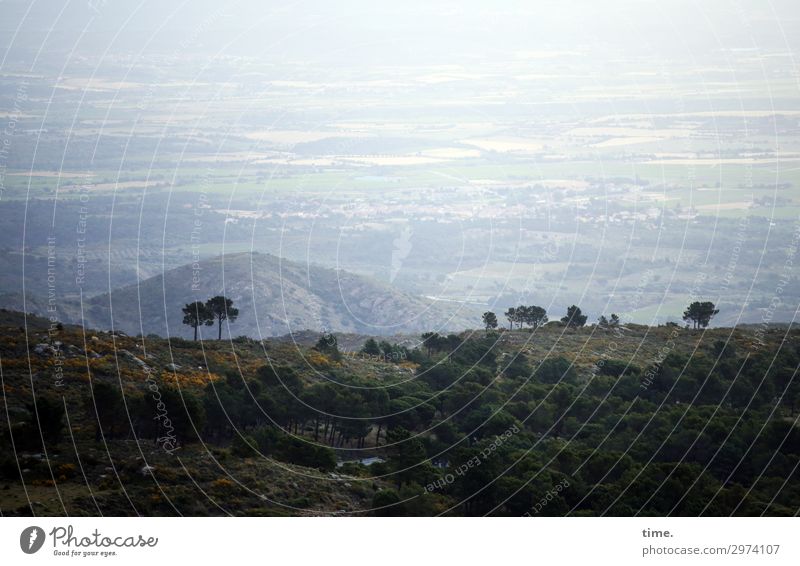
column 407, row 455
column 222, row 308
column 433, row 341
column 534, row 316
column 489, row 320
column 604, row 322
column 574, row 317
column 523, row 315
column 511, row 315
column 371, row 348
column 197, row 314
column 328, row 344
column 700, row 313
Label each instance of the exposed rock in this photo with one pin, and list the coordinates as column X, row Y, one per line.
column 134, row 358
column 42, row 349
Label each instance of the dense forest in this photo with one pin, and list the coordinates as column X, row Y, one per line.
column 558, row 419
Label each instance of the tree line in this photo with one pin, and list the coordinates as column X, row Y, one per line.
column 220, row 309
column 698, row 313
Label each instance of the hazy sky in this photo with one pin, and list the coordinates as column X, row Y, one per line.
column 395, row 32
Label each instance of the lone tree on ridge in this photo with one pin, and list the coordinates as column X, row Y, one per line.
column 222, row 309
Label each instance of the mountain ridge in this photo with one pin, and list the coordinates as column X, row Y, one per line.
column 275, row 296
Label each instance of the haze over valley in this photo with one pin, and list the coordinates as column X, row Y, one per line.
column 479, row 176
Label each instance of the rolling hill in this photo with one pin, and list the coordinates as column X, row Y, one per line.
column 274, row 296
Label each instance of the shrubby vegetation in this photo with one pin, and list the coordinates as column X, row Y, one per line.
column 653, row 421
